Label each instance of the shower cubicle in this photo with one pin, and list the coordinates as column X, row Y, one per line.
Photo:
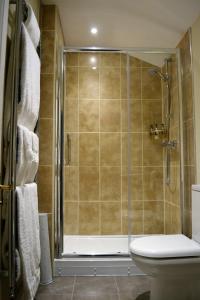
column 119, row 154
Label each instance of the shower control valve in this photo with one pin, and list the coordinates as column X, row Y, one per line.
column 170, row 144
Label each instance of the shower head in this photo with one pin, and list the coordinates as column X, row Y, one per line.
column 155, row 71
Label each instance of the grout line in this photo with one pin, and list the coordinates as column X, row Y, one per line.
column 74, row 283
column 117, row 288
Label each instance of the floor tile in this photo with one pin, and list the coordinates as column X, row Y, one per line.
column 96, row 285
column 60, row 286
column 133, row 285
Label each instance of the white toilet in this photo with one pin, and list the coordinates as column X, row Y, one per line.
column 172, row 261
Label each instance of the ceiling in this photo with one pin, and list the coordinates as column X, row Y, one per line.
column 126, row 23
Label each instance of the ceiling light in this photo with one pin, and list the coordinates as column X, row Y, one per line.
column 94, row 30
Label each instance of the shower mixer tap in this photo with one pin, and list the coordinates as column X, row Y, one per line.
column 157, row 130
column 170, row 144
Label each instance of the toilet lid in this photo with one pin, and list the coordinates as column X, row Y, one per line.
column 161, row 246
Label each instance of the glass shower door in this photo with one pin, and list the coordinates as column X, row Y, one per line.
column 95, row 203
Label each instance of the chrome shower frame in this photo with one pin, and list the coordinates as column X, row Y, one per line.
column 59, row 214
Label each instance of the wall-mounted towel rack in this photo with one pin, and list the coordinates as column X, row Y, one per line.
column 11, row 153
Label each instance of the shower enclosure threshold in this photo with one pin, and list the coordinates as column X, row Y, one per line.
column 96, row 256
column 96, row 245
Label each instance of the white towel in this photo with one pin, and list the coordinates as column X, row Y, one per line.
column 28, row 237
column 29, row 102
column 32, row 26
column 27, row 155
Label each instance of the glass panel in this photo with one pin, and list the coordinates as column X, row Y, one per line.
column 95, row 204
column 122, row 150
column 154, row 145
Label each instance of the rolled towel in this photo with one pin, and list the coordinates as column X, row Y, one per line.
column 32, row 26
column 27, row 155
column 29, row 102
column 28, row 237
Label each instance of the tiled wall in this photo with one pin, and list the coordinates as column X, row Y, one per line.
column 96, row 122
column 188, row 128
column 172, row 190
column 51, row 40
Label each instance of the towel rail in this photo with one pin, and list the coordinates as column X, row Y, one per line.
column 9, row 184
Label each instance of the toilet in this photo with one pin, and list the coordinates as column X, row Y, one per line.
column 172, row 261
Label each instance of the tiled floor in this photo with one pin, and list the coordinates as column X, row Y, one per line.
column 96, row 288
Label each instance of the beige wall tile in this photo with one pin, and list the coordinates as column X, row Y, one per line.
column 110, row 60
column 172, row 217
column 70, row 218
column 110, row 83
column 152, row 151
column 172, row 191
column 110, row 183
column 48, row 16
column 71, row 59
column 89, row 59
column 110, row 149
column 88, row 116
column 71, row 183
column 46, row 146
column 135, row 83
column 47, row 96
column 89, row 183
column 110, row 218
column 151, row 86
column 89, row 218
column 153, row 183
column 152, row 113
column 133, row 61
column 89, row 149
column 72, row 82
column 135, row 187
column 71, row 115
column 134, row 218
column 47, row 51
column 135, row 158
column 88, row 83
column 175, row 108
column 45, row 189
column 175, row 153
column 135, row 110
column 188, row 142
column 110, row 116
column 124, row 87
column 153, row 217
column 187, row 98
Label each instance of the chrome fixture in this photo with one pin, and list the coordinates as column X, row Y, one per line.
column 157, row 130
column 165, row 77
column 170, row 144
column 156, row 71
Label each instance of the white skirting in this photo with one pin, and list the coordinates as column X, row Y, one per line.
column 104, row 256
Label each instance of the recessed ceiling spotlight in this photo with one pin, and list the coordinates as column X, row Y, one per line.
column 94, row 30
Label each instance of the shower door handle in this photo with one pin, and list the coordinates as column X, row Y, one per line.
column 68, row 149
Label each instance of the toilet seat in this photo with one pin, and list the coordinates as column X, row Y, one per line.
column 164, row 246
